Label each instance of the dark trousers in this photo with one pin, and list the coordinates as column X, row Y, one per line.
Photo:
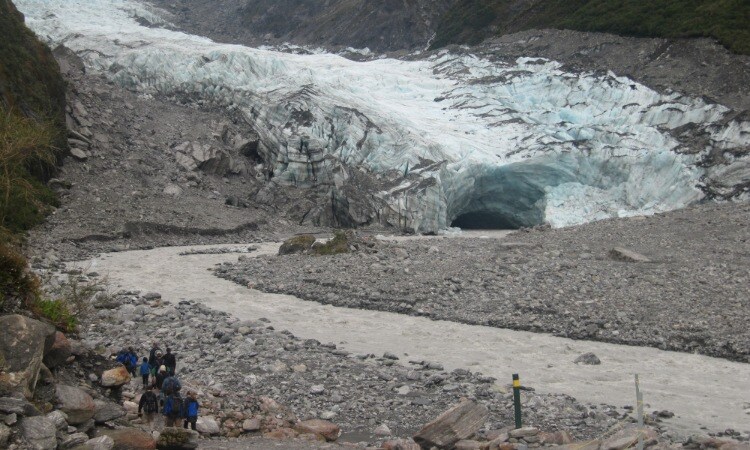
column 191, row 421
column 145, row 380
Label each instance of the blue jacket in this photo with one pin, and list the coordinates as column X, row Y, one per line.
column 145, row 368
column 190, row 408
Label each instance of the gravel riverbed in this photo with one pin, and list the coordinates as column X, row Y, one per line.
column 691, row 296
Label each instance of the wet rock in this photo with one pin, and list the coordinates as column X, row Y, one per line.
column 75, row 403
column 589, row 359
column 23, row 342
column 115, row 377
column 328, row 430
column 59, row 353
column 172, row 438
column 455, row 424
column 40, row 432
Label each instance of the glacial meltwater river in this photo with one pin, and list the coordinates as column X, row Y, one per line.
column 700, row 390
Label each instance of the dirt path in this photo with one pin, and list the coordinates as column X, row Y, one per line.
column 701, row 391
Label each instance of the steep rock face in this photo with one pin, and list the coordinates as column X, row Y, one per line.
column 23, row 343
column 379, row 26
column 479, row 140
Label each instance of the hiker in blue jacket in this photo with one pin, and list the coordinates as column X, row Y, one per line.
column 132, row 361
column 145, row 371
column 190, row 409
column 172, row 409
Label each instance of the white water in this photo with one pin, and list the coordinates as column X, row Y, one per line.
column 700, row 390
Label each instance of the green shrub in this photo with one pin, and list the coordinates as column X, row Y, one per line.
column 57, row 312
column 25, row 147
column 338, row 244
column 19, row 287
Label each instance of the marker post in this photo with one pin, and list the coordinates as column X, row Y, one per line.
column 517, row 399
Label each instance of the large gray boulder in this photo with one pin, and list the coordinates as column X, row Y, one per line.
column 20, row 406
column 106, row 411
column 39, row 432
column 76, row 403
column 23, row 342
column 4, row 435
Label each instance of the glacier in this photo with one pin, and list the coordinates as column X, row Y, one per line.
column 447, row 139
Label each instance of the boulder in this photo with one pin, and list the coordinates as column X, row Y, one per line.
column 628, row 437
column 59, row 418
column 100, row 443
column 588, row 359
column 458, row 423
column 23, row 342
column 207, row 425
column 297, row 244
column 556, row 438
column 73, row 440
column 467, row 444
column 59, row 352
column 106, row 411
column 130, row 439
column 4, row 435
column 40, row 432
column 79, row 154
column 623, row 254
column 177, row 439
column 20, row 406
column 115, row 377
column 77, row 404
column 330, row 431
column 251, row 425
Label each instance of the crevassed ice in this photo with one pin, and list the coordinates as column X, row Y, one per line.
column 521, row 143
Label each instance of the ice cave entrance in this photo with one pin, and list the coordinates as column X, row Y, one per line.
column 512, row 196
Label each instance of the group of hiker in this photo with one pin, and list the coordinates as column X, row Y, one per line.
column 161, row 387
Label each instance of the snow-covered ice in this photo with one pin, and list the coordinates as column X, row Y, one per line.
column 515, row 143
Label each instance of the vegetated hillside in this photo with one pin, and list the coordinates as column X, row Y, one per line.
column 728, row 21
column 32, row 122
column 380, row 26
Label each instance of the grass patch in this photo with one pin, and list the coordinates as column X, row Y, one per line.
column 727, row 21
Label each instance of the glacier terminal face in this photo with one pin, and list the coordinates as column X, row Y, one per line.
column 450, row 139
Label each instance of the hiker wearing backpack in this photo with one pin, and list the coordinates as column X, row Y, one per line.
column 161, row 375
column 170, row 361
column 171, row 385
column 172, row 409
column 190, row 409
column 132, row 361
column 145, row 371
column 148, row 405
column 156, row 366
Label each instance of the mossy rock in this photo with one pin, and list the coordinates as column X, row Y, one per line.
column 177, row 439
column 338, row 244
column 297, row 244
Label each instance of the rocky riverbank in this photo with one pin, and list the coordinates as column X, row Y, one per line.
column 688, row 292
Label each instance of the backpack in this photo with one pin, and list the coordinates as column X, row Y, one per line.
column 173, row 406
column 171, row 385
column 150, row 404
